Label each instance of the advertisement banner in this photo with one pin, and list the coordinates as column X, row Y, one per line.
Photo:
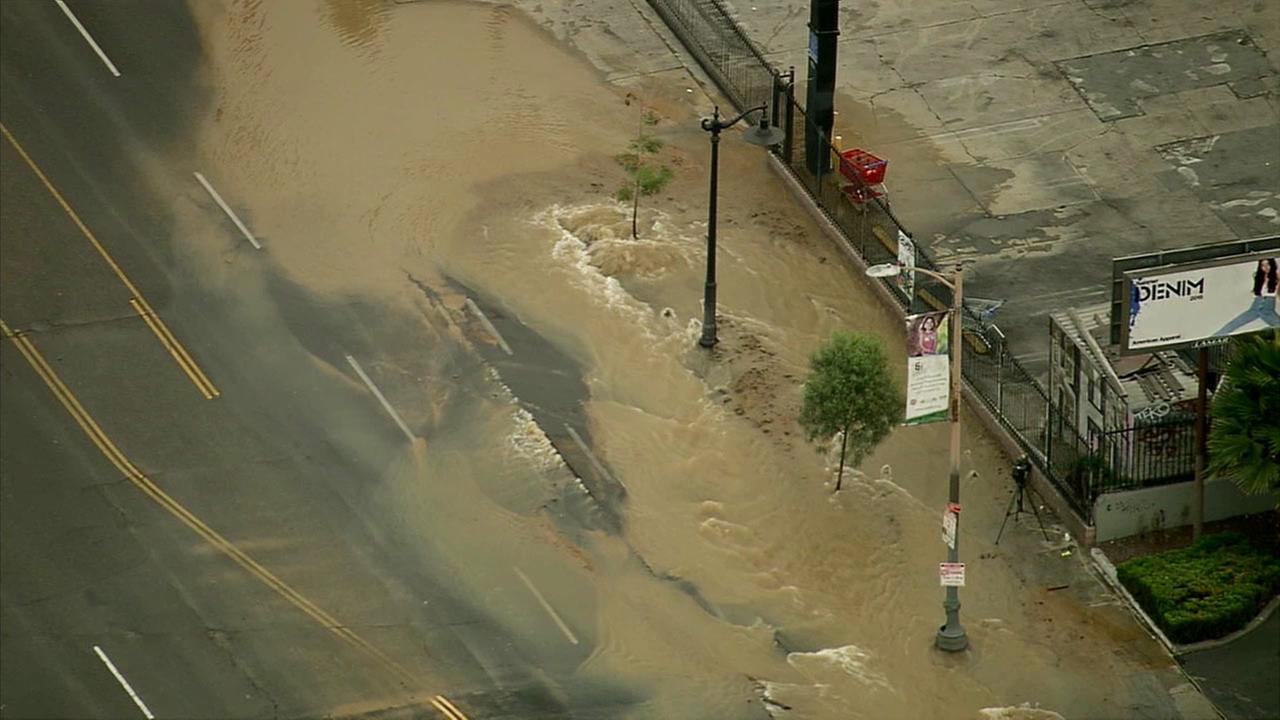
column 928, row 368
column 1194, row 306
column 907, row 263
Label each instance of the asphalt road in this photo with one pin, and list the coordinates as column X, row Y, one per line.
column 204, row 504
column 1241, row 675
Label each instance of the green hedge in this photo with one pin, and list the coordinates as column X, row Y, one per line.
column 1205, row 591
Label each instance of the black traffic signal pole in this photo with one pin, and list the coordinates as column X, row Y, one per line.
column 820, row 100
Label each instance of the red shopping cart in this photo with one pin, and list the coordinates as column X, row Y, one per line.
column 865, row 173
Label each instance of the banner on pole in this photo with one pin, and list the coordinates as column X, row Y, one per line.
column 949, row 529
column 907, row 266
column 928, row 368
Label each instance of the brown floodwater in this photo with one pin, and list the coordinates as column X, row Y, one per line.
column 382, row 148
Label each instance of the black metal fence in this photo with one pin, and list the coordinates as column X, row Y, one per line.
column 867, row 223
column 1147, row 455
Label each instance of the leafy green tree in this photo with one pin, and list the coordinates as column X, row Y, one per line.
column 643, row 178
column 1244, row 440
column 850, row 391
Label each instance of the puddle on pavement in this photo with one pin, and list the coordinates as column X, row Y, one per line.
column 459, row 141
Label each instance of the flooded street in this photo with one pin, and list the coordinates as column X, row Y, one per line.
column 413, row 167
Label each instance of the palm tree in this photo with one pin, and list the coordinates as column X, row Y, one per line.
column 1244, row 441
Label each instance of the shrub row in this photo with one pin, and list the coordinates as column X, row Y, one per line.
column 1205, row 591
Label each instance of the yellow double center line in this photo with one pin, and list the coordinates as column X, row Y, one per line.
column 450, row 710
column 139, row 303
column 208, row 534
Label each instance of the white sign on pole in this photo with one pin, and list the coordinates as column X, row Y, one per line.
column 951, row 574
column 1170, row 307
column 906, row 265
column 949, row 529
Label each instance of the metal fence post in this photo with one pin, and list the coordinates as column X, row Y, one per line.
column 864, row 211
column 776, row 97
column 822, row 141
column 999, row 376
column 789, row 142
column 1048, row 435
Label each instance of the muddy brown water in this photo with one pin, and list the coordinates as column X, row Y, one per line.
column 382, row 148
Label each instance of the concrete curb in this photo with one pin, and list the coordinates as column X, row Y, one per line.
column 1261, row 617
column 1108, row 573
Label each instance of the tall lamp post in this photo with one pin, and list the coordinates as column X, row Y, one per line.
column 951, row 636
column 761, row 135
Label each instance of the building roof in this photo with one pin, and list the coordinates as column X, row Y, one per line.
column 1146, row 379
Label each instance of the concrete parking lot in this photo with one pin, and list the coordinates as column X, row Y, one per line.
column 1036, row 140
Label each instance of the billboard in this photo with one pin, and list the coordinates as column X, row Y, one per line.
column 928, row 368
column 1122, row 266
column 1200, row 303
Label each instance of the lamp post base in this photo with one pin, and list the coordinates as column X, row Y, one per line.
column 952, row 639
column 708, row 341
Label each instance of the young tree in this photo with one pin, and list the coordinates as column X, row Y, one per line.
column 1244, row 440
column 644, row 179
column 850, row 390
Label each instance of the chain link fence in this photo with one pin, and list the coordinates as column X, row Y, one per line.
column 720, row 46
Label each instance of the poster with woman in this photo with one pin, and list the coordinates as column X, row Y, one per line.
column 927, row 334
column 1262, row 312
column 928, row 367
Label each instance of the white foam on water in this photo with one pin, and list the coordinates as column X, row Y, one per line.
column 504, row 389
column 1025, row 711
column 772, row 691
column 1189, row 175
column 800, row 604
column 529, row 442
column 727, row 533
column 579, row 227
column 849, row 660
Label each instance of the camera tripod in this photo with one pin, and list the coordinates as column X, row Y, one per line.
column 1021, row 473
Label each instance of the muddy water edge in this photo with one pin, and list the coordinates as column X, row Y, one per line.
column 438, row 159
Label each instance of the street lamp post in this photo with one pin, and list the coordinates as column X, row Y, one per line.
column 951, row 636
column 762, row 135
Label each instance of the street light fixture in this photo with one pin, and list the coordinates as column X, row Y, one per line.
column 761, row 135
column 951, row 636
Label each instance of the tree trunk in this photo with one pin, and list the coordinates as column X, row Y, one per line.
column 635, row 196
column 844, row 443
column 635, row 200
